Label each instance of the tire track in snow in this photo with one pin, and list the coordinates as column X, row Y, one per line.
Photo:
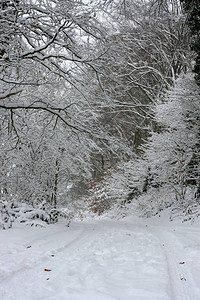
column 182, row 284
column 30, row 258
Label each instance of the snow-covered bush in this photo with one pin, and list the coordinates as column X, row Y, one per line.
column 39, row 215
column 6, row 217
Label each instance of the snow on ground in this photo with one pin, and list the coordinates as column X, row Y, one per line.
column 131, row 259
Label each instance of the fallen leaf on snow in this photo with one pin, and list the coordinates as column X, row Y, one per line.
column 47, row 270
column 183, row 278
column 28, row 247
column 181, row 263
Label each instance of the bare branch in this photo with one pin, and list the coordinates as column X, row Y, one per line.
column 9, row 94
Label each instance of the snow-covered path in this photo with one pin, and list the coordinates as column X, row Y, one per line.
column 101, row 260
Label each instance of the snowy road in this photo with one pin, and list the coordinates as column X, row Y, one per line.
column 101, row 260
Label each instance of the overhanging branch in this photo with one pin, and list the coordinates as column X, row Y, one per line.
column 9, row 94
column 52, row 110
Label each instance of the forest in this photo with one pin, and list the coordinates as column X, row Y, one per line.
column 99, row 109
